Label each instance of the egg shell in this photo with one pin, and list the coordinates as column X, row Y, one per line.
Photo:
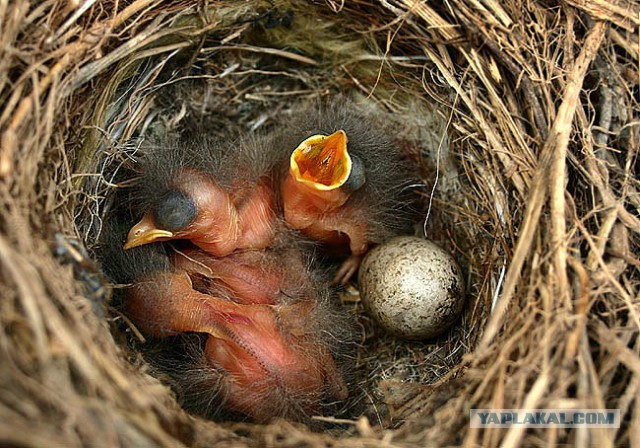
column 411, row 287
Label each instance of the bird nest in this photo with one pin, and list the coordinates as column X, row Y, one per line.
column 522, row 117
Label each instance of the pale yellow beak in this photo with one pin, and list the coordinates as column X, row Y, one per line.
column 145, row 232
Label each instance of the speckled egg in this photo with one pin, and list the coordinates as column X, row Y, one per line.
column 411, row 287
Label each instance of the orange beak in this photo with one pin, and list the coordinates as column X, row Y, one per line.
column 145, row 232
column 322, row 162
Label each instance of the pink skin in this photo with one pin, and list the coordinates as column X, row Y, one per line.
column 326, row 216
column 267, row 353
column 249, row 277
column 225, row 222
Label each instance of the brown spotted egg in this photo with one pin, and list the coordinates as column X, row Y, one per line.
column 411, row 287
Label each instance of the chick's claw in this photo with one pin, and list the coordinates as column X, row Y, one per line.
column 347, row 269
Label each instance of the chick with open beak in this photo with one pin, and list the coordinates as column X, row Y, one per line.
column 322, row 176
column 344, row 185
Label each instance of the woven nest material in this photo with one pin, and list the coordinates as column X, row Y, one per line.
column 526, row 118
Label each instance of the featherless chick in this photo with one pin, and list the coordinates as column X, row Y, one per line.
column 218, row 195
column 346, row 179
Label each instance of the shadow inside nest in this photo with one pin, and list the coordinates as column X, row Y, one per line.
column 205, row 106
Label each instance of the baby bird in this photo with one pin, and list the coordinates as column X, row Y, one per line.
column 218, row 196
column 346, row 180
column 268, row 360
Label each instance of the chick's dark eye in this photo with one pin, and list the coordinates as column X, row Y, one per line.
column 174, row 211
column 357, row 178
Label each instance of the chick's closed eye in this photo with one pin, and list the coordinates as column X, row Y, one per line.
column 174, row 211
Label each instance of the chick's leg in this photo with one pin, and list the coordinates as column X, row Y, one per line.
column 341, row 229
column 166, row 304
column 242, row 275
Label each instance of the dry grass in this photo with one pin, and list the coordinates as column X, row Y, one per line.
column 527, row 117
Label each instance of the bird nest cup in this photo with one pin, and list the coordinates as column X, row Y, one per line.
column 208, row 210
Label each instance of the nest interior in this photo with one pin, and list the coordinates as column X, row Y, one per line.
column 525, row 120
